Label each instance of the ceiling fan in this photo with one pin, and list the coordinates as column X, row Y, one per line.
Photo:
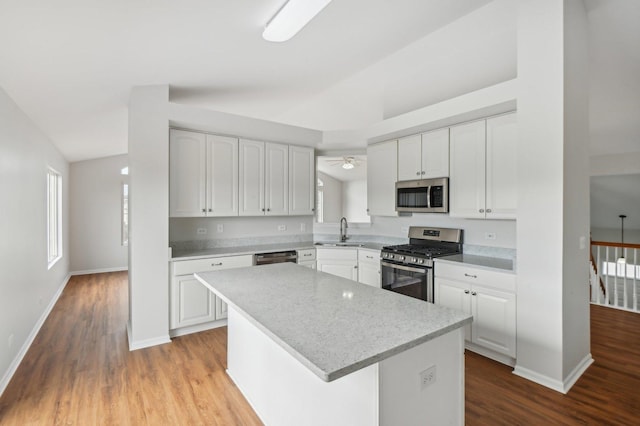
column 346, row 163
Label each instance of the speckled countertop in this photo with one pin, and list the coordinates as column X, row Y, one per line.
column 491, row 263
column 191, row 254
column 333, row 326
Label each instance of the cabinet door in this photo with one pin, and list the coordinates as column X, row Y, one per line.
column 301, row 180
column 341, row 268
column 222, row 176
column 187, row 173
column 251, row 179
column 191, row 302
column 454, row 295
column 502, row 141
column 494, row 320
column 382, row 173
column 276, row 189
column 369, row 273
column 467, row 182
column 221, row 309
column 410, row 158
column 435, row 154
column 311, row 264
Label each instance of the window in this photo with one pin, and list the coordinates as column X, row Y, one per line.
column 125, row 207
column 320, row 202
column 54, row 216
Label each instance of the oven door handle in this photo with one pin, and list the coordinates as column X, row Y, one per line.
column 404, row 268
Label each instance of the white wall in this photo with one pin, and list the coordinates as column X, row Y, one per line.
column 95, row 211
column 354, row 200
column 332, row 198
column 27, row 289
column 552, row 197
column 612, row 235
column 148, row 217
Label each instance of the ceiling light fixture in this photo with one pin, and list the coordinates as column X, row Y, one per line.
column 621, row 259
column 348, row 165
column 291, row 18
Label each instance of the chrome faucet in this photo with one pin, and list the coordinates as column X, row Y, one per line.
column 343, row 231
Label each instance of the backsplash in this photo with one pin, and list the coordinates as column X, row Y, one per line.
column 238, row 242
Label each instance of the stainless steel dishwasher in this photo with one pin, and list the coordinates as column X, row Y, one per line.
column 275, row 257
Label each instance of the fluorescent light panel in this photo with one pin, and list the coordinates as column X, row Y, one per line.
column 291, row 18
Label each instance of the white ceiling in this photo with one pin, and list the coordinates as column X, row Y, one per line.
column 70, row 64
column 332, row 166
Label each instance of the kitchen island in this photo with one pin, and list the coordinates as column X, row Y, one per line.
column 306, row 347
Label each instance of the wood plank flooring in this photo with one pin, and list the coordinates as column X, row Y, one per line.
column 79, row 371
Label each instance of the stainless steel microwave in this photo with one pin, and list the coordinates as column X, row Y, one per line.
column 423, row 196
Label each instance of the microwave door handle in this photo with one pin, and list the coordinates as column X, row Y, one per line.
column 429, row 196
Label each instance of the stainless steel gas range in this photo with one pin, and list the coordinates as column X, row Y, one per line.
column 408, row 268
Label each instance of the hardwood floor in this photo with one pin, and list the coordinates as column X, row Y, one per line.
column 79, row 371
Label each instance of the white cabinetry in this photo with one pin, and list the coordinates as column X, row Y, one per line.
column 191, row 302
column 424, row 156
column 307, row 257
column 203, row 175
column 342, row 262
column 301, row 181
column 264, row 178
column 483, row 181
column 369, row 267
column 490, row 296
column 382, row 173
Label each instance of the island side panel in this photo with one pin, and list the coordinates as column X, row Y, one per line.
column 284, row 392
column 403, row 399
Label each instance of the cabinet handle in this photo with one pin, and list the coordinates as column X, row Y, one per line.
column 268, row 210
column 313, row 210
column 470, row 276
column 417, row 173
column 466, row 292
column 421, row 173
column 210, row 210
column 204, row 210
column 481, row 210
column 355, row 267
column 473, row 293
column 488, row 210
column 262, row 209
column 369, row 257
column 307, row 254
column 217, row 264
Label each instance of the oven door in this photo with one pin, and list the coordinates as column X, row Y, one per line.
column 408, row 280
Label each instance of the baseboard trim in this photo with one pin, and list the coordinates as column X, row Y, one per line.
column 177, row 332
column 575, row 374
column 147, row 343
column 13, row 367
column 100, row 270
column 556, row 385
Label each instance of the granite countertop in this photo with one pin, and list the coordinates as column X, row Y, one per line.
column 332, row 325
column 490, row 263
column 192, row 254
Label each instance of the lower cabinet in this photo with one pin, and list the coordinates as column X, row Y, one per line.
column 342, row 262
column 369, row 267
column 489, row 296
column 307, row 258
column 191, row 303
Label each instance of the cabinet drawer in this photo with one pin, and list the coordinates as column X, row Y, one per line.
column 499, row 280
column 306, row 254
column 369, row 256
column 211, row 264
column 337, row 253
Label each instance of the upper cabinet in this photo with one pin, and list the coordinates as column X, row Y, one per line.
column 203, row 175
column 483, row 181
column 211, row 175
column 424, row 156
column 264, row 178
column 382, row 173
column 301, row 180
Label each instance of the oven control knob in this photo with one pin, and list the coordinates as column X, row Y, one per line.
column 421, row 261
column 413, row 260
column 401, row 258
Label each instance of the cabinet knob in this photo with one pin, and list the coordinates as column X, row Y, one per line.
column 417, row 173
column 204, row 210
column 473, row 293
column 268, row 210
column 313, row 210
column 210, row 210
column 488, row 210
column 355, row 267
column 466, row 292
column 262, row 209
column 481, row 210
column 421, row 173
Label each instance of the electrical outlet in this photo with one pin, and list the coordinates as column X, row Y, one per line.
column 282, row 227
column 489, row 235
column 428, row 377
column 303, row 227
column 201, row 231
column 220, row 228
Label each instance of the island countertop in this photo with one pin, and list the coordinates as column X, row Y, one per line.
column 332, row 325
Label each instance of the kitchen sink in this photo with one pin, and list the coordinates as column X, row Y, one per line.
column 338, row 244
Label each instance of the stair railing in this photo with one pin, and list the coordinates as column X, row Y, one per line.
column 616, row 282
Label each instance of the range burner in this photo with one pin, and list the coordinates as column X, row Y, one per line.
column 417, row 249
column 424, row 245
